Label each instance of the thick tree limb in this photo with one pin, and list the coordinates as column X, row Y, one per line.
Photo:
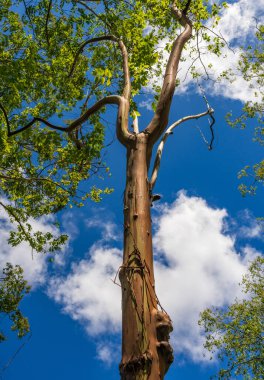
column 123, row 134
column 81, row 48
column 160, row 119
column 168, row 132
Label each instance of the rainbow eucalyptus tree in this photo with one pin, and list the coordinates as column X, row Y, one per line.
column 62, row 64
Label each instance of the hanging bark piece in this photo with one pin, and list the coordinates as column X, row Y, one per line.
column 165, row 352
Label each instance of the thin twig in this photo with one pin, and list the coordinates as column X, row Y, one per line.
column 9, row 362
column 199, row 56
column 219, row 36
column 211, row 114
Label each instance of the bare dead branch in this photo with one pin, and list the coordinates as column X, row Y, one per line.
column 168, row 132
column 160, row 120
column 212, row 122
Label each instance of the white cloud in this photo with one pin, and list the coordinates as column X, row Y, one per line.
column 70, row 224
column 107, row 352
column 109, row 230
column 88, row 293
column 147, row 104
column 238, row 21
column 202, row 269
column 251, row 228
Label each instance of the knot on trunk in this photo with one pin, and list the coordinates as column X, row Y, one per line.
column 165, row 351
column 132, row 367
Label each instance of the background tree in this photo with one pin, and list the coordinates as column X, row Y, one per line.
column 13, row 288
column 63, row 63
column 235, row 333
column 251, row 68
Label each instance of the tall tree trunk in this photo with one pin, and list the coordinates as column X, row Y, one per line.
column 146, row 352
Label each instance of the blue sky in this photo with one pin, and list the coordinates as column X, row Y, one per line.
column 204, row 235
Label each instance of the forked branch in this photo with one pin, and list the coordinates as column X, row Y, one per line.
column 160, row 119
column 168, row 132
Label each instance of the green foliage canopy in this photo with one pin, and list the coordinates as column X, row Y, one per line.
column 57, row 61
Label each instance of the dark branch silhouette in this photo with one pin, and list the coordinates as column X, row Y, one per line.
column 47, row 22
column 32, row 122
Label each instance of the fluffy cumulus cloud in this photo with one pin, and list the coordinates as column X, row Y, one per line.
column 108, row 229
column 196, row 266
column 108, row 352
column 202, row 267
column 88, row 293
